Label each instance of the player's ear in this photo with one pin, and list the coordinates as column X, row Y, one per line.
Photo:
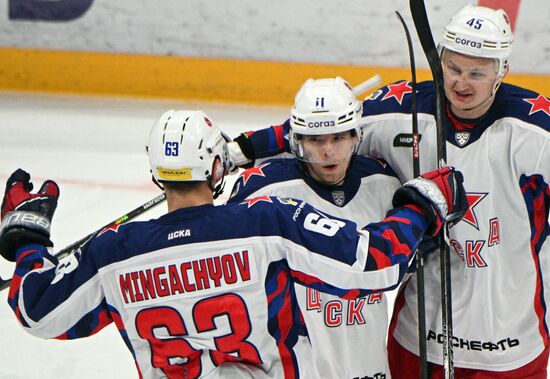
column 217, row 170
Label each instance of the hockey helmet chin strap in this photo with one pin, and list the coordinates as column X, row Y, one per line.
column 157, row 183
column 217, row 190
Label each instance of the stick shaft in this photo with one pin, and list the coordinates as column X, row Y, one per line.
column 5, row 283
column 420, row 295
column 422, row 25
column 368, row 84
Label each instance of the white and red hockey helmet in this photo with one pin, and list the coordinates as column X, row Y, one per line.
column 480, row 32
column 324, row 106
column 183, row 146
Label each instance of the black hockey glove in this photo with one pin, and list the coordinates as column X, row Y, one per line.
column 242, row 152
column 440, row 194
column 26, row 217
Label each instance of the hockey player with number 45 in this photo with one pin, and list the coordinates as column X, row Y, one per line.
column 207, row 291
column 324, row 136
column 497, row 134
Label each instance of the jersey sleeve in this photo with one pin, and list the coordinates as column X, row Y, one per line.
column 335, row 256
column 265, row 143
column 62, row 299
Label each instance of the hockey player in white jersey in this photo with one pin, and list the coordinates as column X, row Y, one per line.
column 498, row 136
column 207, row 291
column 324, row 136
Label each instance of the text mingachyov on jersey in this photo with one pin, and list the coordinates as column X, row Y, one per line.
column 187, row 277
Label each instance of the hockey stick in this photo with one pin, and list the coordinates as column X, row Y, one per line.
column 416, row 172
column 5, row 283
column 376, row 80
column 422, row 25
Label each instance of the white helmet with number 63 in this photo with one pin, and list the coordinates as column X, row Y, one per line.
column 480, row 32
column 183, row 146
column 324, row 106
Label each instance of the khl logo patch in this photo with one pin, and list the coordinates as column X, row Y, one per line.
column 462, row 138
column 338, row 197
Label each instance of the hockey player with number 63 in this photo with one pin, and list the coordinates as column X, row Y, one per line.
column 207, row 291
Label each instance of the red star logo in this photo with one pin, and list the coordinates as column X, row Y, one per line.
column 255, row 200
column 541, row 103
column 398, row 91
column 473, row 200
column 112, row 228
column 253, row 171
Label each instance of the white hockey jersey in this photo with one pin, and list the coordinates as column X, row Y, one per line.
column 501, row 259
column 348, row 337
column 500, row 250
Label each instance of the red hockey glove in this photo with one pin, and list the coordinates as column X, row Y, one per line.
column 440, row 194
column 26, row 217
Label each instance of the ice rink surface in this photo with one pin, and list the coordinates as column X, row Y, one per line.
column 94, row 148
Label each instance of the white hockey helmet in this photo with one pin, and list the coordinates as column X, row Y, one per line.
column 480, row 32
column 183, row 146
column 324, row 106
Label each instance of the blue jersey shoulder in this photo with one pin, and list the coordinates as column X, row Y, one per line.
column 523, row 104
column 299, row 222
column 258, row 217
column 363, row 166
column 284, row 170
column 397, row 98
column 271, row 171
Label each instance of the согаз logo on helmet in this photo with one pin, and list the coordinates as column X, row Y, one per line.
column 319, row 124
column 463, row 41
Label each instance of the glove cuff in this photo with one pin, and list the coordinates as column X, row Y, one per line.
column 431, row 192
column 245, row 146
column 26, row 220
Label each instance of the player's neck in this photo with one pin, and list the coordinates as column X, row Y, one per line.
column 201, row 195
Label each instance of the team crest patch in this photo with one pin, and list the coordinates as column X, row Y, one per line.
column 462, row 138
column 338, row 197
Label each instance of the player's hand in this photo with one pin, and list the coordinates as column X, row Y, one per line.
column 440, row 194
column 25, row 216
